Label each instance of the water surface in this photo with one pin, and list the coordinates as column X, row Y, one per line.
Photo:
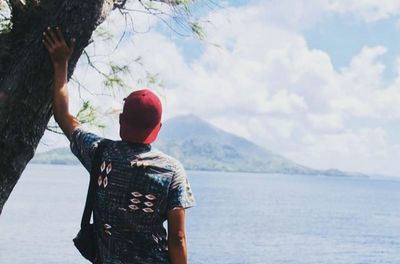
column 240, row 218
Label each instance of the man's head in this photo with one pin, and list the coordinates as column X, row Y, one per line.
column 140, row 120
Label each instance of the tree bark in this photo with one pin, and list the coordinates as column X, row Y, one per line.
column 26, row 75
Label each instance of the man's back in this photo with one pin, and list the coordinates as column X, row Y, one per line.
column 136, row 188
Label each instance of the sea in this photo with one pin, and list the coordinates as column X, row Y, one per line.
column 239, row 218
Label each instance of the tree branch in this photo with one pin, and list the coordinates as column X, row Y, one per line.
column 17, row 6
column 170, row 2
column 121, row 3
column 21, row 9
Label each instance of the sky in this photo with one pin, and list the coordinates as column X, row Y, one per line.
column 317, row 81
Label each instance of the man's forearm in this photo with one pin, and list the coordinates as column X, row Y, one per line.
column 177, row 250
column 61, row 100
column 60, row 92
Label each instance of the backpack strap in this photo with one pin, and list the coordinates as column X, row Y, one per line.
column 95, row 169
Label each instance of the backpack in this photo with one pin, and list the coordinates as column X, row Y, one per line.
column 85, row 240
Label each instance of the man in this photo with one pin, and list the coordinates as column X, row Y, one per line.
column 138, row 188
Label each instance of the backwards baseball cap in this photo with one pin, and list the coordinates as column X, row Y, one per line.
column 140, row 120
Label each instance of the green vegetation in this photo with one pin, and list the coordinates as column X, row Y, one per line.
column 62, row 156
column 200, row 146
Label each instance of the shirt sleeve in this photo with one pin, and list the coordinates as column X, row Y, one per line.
column 83, row 146
column 180, row 193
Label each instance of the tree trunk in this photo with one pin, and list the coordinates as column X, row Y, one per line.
column 26, row 76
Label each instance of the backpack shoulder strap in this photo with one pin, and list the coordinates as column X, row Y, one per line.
column 87, row 213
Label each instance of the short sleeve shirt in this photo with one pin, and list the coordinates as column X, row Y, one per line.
column 136, row 186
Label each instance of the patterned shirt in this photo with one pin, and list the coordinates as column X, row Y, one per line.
column 136, row 187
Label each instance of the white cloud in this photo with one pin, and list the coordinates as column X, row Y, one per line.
column 364, row 92
column 302, row 14
column 368, row 10
column 357, row 149
column 267, row 85
column 326, row 122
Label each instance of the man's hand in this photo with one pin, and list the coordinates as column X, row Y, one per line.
column 60, row 53
column 58, row 49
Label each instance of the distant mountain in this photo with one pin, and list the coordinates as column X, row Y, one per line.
column 62, row 156
column 201, row 146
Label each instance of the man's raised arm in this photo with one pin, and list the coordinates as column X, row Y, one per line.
column 60, row 53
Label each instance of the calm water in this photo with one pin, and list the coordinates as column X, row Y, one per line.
column 240, row 218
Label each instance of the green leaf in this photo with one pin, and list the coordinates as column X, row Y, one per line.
column 197, row 29
column 104, row 34
column 88, row 115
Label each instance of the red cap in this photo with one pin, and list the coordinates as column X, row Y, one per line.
column 140, row 120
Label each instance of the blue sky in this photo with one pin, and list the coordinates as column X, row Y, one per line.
column 342, row 36
column 317, row 81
